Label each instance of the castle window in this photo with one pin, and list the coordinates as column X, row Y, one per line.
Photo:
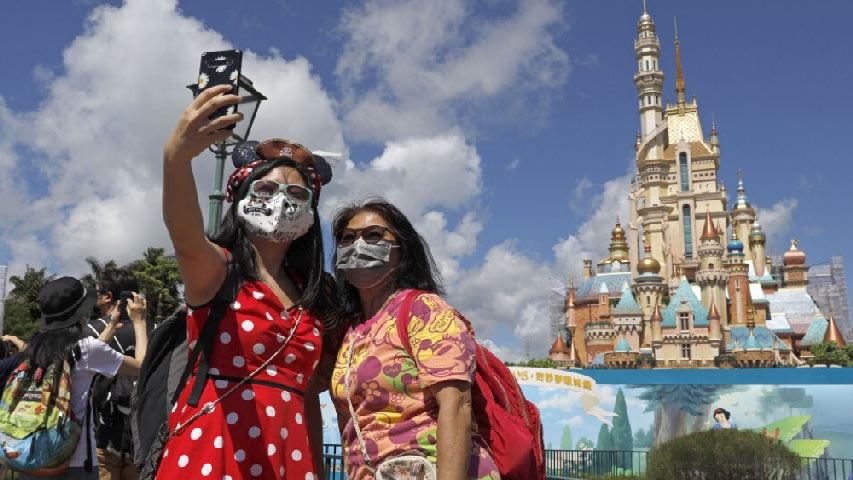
column 684, row 320
column 647, row 65
column 688, row 232
column 710, row 266
column 648, row 300
column 685, row 351
column 685, row 176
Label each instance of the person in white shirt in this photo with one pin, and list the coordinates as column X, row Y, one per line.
column 65, row 305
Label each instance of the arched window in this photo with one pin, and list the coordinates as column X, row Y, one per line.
column 685, row 174
column 647, row 65
column 688, row 232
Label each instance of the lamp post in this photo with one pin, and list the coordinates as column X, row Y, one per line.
column 250, row 100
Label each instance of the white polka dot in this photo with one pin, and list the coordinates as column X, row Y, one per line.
column 227, row 477
column 284, row 314
column 289, row 358
column 270, row 411
column 258, row 295
column 281, row 471
column 213, row 371
column 248, row 394
column 284, row 434
column 259, row 349
column 316, row 332
column 269, row 316
column 189, row 311
column 238, row 361
column 256, row 470
column 174, row 407
column 220, row 383
column 232, row 418
column 183, row 461
column 316, row 362
column 217, row 442
column 206, row 469
column 299, row 378
column 195, row 434
column 165, row 453
column 285, row 396
column 309, row 346
column 240, row 455
column 271, row 370
column 247, row 325
column 279, row 337
column 192, row 344
column 296, row 455
column 254, row 432
column 235, row 306
column 309, row 476
column 270, row 450
column 299, row 418
column 225, row 338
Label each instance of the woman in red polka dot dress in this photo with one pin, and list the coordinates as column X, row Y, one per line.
column 255, row 412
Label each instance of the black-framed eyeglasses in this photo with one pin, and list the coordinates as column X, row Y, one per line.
column 372, row 234
column 267, row 188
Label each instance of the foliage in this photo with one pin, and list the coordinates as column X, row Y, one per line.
column 90, row 280
column 830, row 353
column 644, row 438
column 605, row 439
column 623, row 438
column 566, row 439
column 808, row 448
column 689, row 397
column 723, row 454
column 536, row 363
column 584, row 444
column 789, row 427
column 22, row 310
column 774, row 398
column 159, row 279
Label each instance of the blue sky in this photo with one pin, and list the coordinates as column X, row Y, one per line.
column 505, row 128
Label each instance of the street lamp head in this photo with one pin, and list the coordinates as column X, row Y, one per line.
column 250, row 101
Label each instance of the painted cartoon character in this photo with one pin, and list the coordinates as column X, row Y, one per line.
column 722, row 416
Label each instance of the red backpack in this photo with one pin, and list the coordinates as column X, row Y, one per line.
column 510, row 424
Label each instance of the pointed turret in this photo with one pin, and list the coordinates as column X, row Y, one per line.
column 679, row 75
column 638, row 142
column 714, row 325
column 709, row 233
column 833, row 334
column 657, row 334
column 559, row 346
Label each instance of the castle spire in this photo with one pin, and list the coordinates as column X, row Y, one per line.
column 679, row 75
column 709, row 233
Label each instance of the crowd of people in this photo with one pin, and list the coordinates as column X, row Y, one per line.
column 289, row 331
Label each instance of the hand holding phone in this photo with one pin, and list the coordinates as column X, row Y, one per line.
column 124, row 317
column 221, row 68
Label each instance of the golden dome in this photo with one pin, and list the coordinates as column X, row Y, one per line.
column 618, row 232
column 794, row 256
column 648, row 264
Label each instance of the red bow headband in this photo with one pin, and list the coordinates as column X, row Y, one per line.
column 274, row 149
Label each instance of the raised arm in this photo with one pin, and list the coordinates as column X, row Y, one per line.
column 137, row 309
column 201, row 262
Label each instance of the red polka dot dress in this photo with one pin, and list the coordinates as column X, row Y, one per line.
column 259, row 430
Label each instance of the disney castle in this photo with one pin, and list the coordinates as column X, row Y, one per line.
column 704, row 293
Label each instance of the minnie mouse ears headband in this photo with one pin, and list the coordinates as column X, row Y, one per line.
column 250, row 154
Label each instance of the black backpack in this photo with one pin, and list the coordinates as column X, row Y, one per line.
column 165, row 372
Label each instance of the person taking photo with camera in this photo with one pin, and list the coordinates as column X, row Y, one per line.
column 111, row 395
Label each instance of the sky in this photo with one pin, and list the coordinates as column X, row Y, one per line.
column 503, row 128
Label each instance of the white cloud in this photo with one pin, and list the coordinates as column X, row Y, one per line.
column 513, row 164
column 97, row 136
column 562, row 400
column 777, row 219
column 574, row 420
column 414, row 67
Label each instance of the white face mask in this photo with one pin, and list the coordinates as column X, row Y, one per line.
column 276, row 219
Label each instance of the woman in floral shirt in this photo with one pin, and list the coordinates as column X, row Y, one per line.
column 402, row 403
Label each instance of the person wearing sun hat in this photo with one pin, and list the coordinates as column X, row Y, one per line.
column 65, row 304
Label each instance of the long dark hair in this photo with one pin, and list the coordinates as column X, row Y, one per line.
column 49, row 347
column 304, row 256
column 416, row 269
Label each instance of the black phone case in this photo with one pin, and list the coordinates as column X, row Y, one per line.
column 221, row 68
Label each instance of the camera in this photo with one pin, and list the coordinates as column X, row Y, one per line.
column 124, row 317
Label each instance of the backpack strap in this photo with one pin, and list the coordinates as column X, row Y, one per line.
column 403, row 318
column 89, row 464
column 203, row 349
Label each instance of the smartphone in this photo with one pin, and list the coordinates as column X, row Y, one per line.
column 124, row 317
column 221, row 68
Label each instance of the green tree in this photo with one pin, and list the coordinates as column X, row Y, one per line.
column 643, row 438
column 159, row 279
column 91, row 279
column 829, row 353
column 22, row 309
column 605, row 439
column 566, row 439
column 623, row 437
column 605, row 460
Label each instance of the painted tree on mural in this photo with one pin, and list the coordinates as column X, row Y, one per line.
column 773, row 399
column 623, row 438
column 605, row 439
column 679, row 409
column 566, row 439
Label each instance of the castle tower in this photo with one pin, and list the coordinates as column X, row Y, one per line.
column 743, row 215
column 795, row 271
column 571, row 322
column 757, row 242
column 648, row 286
column 714, row 328
column 559, row 351
column 604, row 302
column 715, row 141
column 649, row 77
column 833, row 334
column 738, row 283
column 711, row 276
column 657, row 332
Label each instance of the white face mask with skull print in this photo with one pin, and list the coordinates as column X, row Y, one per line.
column 277, row 219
